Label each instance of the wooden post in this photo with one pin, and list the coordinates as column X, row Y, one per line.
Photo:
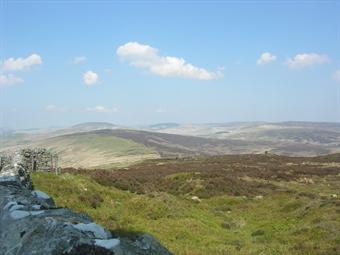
column 31, row 157
column 56, row 164
column 51, row 166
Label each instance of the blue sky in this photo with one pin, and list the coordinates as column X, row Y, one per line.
column 138, row 62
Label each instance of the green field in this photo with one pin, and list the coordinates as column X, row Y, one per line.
column 240, row 213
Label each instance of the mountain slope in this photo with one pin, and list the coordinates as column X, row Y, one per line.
column 94, row 150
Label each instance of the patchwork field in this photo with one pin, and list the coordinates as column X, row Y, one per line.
column 237, row 204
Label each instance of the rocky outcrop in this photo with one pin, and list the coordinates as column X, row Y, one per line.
column 30, row 223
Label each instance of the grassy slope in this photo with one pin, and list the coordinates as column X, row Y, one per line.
column 92, row 150
column 283, row 222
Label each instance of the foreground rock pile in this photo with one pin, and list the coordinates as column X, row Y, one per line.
column 30, row 223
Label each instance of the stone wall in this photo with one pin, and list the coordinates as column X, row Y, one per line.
column 5, row 159
column 40, row 159
column 30, row 223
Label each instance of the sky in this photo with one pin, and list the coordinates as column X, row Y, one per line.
column 145, row 62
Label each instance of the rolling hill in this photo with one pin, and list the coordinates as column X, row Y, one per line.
column 105, row 145
column 94, row 149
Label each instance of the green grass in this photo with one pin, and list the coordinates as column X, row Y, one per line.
column 280, row 223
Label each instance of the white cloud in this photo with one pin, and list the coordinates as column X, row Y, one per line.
column 266, row 58
column 101, row 109
column 147, row 57
column 336, row 75
column 79, row 60
column 51, row 108
column 307, row 60
column 13, row 64
column 9, row 79
column 90, row 78
column 54, row 108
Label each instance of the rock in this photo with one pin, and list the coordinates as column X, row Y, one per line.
column 108, row 244
column 259, row 197
column 43, row 196
column 306, row 180
column 30, row 223
column 98, row 231
column 196, row 199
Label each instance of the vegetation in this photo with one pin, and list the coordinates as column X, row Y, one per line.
column 219, row 205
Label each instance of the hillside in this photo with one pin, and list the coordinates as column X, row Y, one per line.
column 236, row 204
column 95, row 149
column 104, row 144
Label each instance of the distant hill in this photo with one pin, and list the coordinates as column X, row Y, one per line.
column 94, row 126
column 172, row 145
column 94, row 149
column 101, row 144
column 164, row 125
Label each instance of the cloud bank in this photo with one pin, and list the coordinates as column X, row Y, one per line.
column 15, row 64
column 304, row 60
column 147, row 57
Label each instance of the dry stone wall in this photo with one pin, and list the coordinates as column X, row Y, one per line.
column 39, row 159
column 30, row 223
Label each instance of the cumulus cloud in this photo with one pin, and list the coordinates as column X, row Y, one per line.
column 101, row 109
column 9, row 79
column 15, row 64
column 307, row 60
column 147, row 57
column 90, row 78
column 266, row 58
column 336, row 75
column 79, row 60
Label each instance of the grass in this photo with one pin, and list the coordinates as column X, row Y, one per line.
column 287, row 220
